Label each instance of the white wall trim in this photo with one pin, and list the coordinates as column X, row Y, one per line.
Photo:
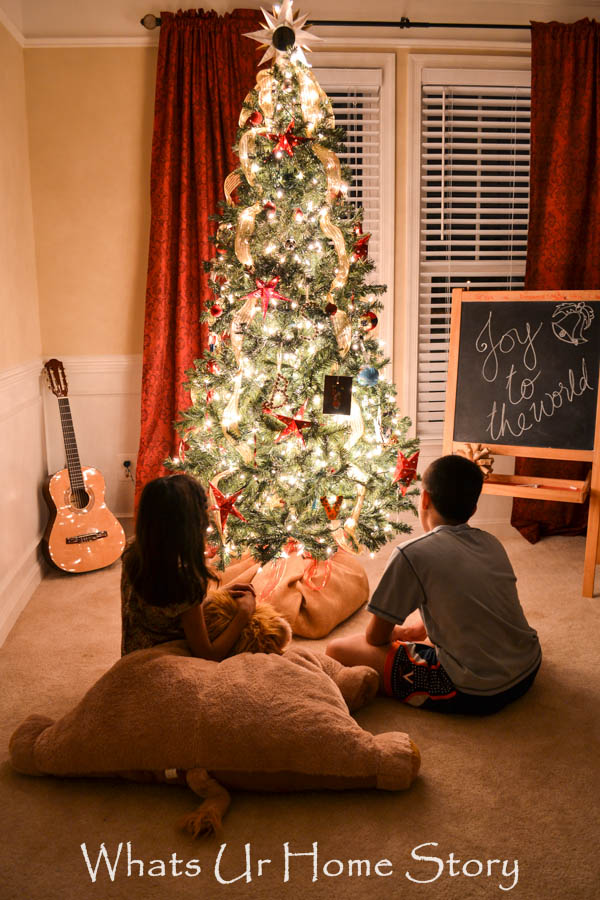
column 18, row 587
column 416, row 64
column 92, row 42
column 19, row 387
column 385, row 63
column 20, row 412
column 12, row 28
column 445, row 41
column 388, row 204
column 102, row 375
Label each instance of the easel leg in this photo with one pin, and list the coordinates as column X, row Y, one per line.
column 591, row 544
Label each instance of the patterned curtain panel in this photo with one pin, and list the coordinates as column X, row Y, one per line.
column 205, row 69
column 563, row 248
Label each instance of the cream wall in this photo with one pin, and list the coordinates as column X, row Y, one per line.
column 20, row 330
column 75, row 139
column 90, row 126
column 120, row 18
column 90, row 112
column 22, row 512
column 90, row 120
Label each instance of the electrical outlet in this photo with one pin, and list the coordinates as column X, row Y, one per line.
column 126, row 466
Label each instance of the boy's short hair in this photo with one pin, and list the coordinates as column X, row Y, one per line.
column 454, row 484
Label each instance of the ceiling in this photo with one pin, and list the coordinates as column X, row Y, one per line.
column 120, row 19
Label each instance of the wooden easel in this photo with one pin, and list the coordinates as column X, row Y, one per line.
column 556, row 489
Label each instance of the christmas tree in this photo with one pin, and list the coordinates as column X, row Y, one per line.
column 293, row 427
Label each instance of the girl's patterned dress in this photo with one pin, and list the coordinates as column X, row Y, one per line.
column 144, row 626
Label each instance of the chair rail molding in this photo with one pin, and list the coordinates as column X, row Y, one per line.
column 22, row 509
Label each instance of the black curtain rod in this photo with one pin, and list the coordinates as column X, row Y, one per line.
column 151, row 22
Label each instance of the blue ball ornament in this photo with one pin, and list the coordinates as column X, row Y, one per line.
column 369, row 376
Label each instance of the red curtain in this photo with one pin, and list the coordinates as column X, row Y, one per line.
column 205, row 69
column 563, row 249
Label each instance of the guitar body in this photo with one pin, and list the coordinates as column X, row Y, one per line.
column 81, row 538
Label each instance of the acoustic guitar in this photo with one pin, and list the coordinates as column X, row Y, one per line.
column 82, row 534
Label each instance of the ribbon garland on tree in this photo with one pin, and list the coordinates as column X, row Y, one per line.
column 311, row 98
column 243, row 233
column 333, row 171
column 239, row 323
column 345, row 535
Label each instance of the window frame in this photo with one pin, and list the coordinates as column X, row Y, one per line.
column 351, row 64
column 462, row 69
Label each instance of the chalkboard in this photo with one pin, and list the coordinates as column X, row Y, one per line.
column 523, row 381
column 527, row 370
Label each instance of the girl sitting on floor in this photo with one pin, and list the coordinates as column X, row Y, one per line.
column 165, row 577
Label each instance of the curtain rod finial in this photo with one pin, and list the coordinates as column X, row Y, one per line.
column 150, row 22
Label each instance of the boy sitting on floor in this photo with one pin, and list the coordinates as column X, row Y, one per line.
column 447, row 631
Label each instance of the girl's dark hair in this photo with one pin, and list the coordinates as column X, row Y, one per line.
column 454, row 484
column 165, row 564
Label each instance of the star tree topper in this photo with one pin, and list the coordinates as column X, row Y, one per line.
column 283, row 32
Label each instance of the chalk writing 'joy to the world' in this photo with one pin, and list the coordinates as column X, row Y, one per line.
column 504, row 419
column 506, row 344
column 500, row 424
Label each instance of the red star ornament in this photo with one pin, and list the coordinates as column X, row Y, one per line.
column 286, row 141
column 406, row 470
column 225, row 505
column 293, row 424
column 265, row 292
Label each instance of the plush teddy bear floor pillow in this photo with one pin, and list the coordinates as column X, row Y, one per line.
column 255, row 721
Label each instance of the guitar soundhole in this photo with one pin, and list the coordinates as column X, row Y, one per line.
column 79, row 498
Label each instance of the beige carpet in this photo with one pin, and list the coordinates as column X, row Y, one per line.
column 522, row 785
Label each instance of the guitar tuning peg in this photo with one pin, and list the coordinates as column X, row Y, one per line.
column 56, row 377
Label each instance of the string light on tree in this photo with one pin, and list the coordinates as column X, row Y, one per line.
column 293, row 304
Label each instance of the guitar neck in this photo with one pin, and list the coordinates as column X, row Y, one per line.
column 72, row 454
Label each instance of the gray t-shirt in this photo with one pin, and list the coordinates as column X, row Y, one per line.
column 463, row 583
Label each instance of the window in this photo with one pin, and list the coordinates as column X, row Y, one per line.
column 362, row 99
column 473, row 209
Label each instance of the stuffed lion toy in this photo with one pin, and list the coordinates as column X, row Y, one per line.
column 266, row 632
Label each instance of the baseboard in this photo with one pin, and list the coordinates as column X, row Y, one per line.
column 498, row 527
column 17, row 588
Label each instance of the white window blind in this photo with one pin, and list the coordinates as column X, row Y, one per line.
column 474, row 203
column 355, row 95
